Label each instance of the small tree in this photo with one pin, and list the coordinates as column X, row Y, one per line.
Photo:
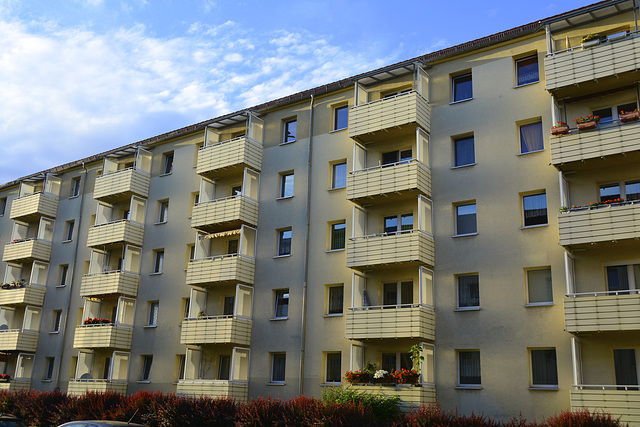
column 416, row 356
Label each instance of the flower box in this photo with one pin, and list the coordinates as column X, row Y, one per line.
column 631, row 116
column 590, row 43
column 586, row 125
column 559, row 130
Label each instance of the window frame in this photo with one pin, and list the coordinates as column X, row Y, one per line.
column 517, row 69
column 622, row 190
column 399, row 284
column 167, row 163
column 275, row 357
column 68, row 230
column 284, row 176
column 75, row 186
column 56, row 321
column 334, row 184
column 145, row 368
column 530, row 123
column 529, row 303
column 327, row 380
column 533, row 385
column 3, row 206
column 457, row 206
column 631, row 279
column 285, row 130
column 333, row 238
column 278, row 303
column 153, row 307
column 524, row 211
column 454, row 82
column 158, row 261
column 49, row 368
column 336, row 111
column 460, row 383
column 457, row 140
column 63, row 273
column 458, row 293
column 163, row 211
column 328, row 306
column 280, row 247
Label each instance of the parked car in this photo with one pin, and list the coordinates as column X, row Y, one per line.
column 7, row 420
column 99, row 423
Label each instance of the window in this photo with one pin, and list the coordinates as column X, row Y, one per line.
column 544, row 371
column 539, row 289
column 469, row 368
column 391, row 223
column 235, row 190
column 167, row 164
column 623, row 277
column 340, row 117
column 396, row 93
column 286, row 185
column 527, row 70
column 185, row 306
column 333, row 369
column 75, row 187
column 178, row 371
column 468, row 291
column 56, row 320
column 63, row 270
column 335, row 299
column 535, row 209
column 284, row 242
column 628, row 191
column 278, row 365
column 163, row 211
column 338, row 234
column 396, row 361
column 158, row 261
column 232, row 247
column 397, row 292
column 224, row 366
column 48, row 368
column 339, row 175
column 625, row 367
column 290, row 130
column 227, row 305
column 610, row 114
column 463, row 151
column 145, row 374
column 462, row 87
column 152, row 318
column 68, row 230
column 3, row 205
column 397, row 156
column 531, row 138
column 282, row 304
column 466, row 219
column 190, row 254
column 195, row 199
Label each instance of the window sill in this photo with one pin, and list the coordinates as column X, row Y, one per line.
column 150, row 326
column 279, row 318
column 468, row 387
column 526, row 227
column 282, row 256
column 144, row 382
column 161, row 222
column 539, row 304
column 155, row 274
column 284, row 198
column 47, row 380
column 333, row 315
column 74, row 197
column 334, row 250
column 288, row 142
column 54, row 332
column 67, row 241
column 338, row 130
column 330, row 384
column 526, row 84
column 61, row 286
column 462, row 100
column 530, row 152
column 276, row 383
column 464, row 235
column 463, row 166
column 544, row 388
column 166, row 174
column 463, row 309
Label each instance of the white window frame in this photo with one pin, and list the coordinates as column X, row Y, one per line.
column 337, row 108
column 334, row 165
column 167, row 163
column 280, row 237
column 332, row 230
column 68, row 230
column 460, row 384
column 456, row 207
column 158, row 261
column 328, row 311
column 456, row 77
column 277, row 302
column 398, row 284
column 56, row 321
column 526, row 275
column 153, row 306
column 471, row 307
column 537, row 193
column 75, row 186
column 275, row 355
column 163, row 211
column 457, row 139
column 147, row 365
column 529, row 123
column 522, row 59
column 630, row 274
column 285, row 127
column 531, row 376
column 326, row 368
column 282, row 194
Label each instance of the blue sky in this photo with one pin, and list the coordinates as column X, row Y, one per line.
column 79, row 77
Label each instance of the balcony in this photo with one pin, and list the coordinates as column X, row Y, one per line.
column 17, row 340
column 412, row 321
column 410, row 397
column 605, row 223
column 378, row 250
column 578, row 65
column 27, row 251
column 29, row 295
column 620, row 403
column 82, row 386
column 216, row 330
column 229, row 157
column 32, row 207
column 380, row 182
column 114, row 233
column 615, row 139
column 107, row 335
column 16, row 385
column 226, row 269
column 109, row 283
column 213, row 388
column 602, row 311
column 228, row 213
column 121, row 185
column 385, row 114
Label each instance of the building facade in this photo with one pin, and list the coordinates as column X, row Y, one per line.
column 269, row 251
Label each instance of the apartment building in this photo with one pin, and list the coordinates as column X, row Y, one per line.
column 270, row 250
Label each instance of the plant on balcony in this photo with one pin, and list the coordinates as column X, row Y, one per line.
column 406, row 376
column 96, row 321
column 5, row 378
column 629, row 116
column 588, row 122
column 592, row 204
column 383, row 377
column 560, row 129
column 357, row 377
column 590, row 40
column 14, row 284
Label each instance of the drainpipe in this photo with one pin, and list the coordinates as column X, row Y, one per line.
column 61, row 345
column 635, row 13
column 303, row 324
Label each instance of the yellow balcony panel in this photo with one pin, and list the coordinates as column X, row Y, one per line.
column 115, row 233
column 382, row 182
column 29, row 295
column 32, row 207
column 17, row 340
column 384, row 114
column 27, row 251
column 78, row 387
column 103, row 336
column 121, row 185
column 365, row 323
column 584, row 65
column 216, row 330
column 228, row 213
column 110, row 283
column 604, row 141
column 410, row 397
column 601, row 313
column 221, row 270
column 605, row 223
column 623, row 404
column 213, row 388
column 413, row 247
column 16, row 385
column 229, row 157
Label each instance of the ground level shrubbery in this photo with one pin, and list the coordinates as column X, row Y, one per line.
column 339, row 407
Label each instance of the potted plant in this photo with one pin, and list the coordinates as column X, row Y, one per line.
column 382, row 377
column 588, row 122
column 590, row 40
column 357, row 377
column 4, row 378
column 629, row 116
column 406, row 376
column 96, row 321
column 560, row 129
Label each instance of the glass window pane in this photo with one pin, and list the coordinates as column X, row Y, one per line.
column 336, row 300
column 531, row 138
column 279, row 361
column 466, row 219
column 341, row 119
column 390, row 224
column 609, row 192
column 468, row 291
column 390, row 294
column 633, row 190
column 338, row 234
column 406, row 222
column 282, row 303
column 339, row 179
column 334, row 367
column 389, row 362
column 464, row 153
column 462, row 87
column 527, row 70
column 284, row 243
column 286, row 187
column 469, row 367
column 544, row 370
column 617, row 278
column 535, row 209
column 539, row 288
column 290, row 130
column 605, row 114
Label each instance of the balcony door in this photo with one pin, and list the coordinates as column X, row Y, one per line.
column 625, row 367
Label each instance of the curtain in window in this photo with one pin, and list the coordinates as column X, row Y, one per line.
column 389, row 362
column 543, row 367
column 465, row 153
column 285, row 243
column 535, row 209
column 338, row 232
column 406, row 293
column 624, row 361
column 469, row 367
column 334, row 362
column 468, row 291
column 336, row 297
column 224, row 367
column 279, row 365
column 617, row 278
column 531, row 138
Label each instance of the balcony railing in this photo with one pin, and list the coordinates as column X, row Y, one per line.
column 28, row 295
column 33, row 206
column 117, row 232
column 229, row 157
column 107, row 335
column 410, row 397
column 121, row 185
column 221, row 269
column 606, row 140
column 377, row 250
column 391, row 321
column 230, row 212
column 381, row 181
column 27, row 250
column 604, row 223
column 620, row 401
column 18, row 340
column 214, row 388
column 16, row 385
column 81, row 386
column 383, row 114
column 216, row 330
column 602, row 311
column 109, row 283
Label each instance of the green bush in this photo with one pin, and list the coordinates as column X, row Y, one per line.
column 384, row 408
